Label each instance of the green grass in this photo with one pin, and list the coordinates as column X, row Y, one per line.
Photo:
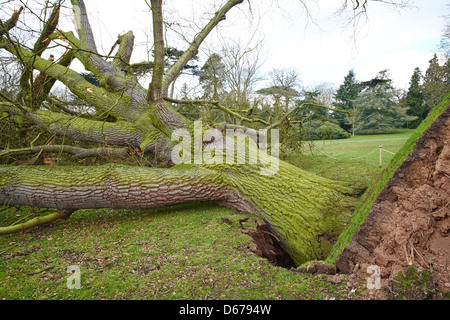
column 355, row 159
column 413, row 285
column 182, row 252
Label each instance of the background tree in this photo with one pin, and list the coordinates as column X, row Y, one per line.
column 314, row 110
column 436, row 82
column 211, row 77
column 379, row 110
column 414, row 99
column 242, row 65
column 285, row 83
column 318, row 122
column 345, row 97
column 280, row 105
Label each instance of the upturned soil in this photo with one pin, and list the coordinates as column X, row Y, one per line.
column 267, row 245
column 409, row 223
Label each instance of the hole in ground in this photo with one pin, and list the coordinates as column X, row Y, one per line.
column 268, row 246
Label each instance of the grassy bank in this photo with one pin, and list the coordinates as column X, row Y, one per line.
column 381, row 180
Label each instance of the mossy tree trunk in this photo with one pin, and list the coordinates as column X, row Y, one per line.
column 304, row 211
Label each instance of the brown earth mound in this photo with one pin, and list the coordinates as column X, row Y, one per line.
column 408, row 225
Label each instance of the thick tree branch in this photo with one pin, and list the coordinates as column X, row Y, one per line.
column 84, row 28
column 163, row 117
column 120, row 133
column 155, row 90
column 300, row 219
column 91, row 58
column 113, row 186
column 123, row 55
column 79, row 153
column 10, row 23
column 117, row 104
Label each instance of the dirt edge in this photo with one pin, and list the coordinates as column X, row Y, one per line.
column 408, row 224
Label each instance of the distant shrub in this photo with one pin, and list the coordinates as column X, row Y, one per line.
column 320, row 130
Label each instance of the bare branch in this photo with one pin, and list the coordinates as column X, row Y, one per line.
column 126, row 45
column 10, row 23
column 175, row 70
column 36, row 221
column 155, row 90
column 12, row 105
column 358, row 10
column 217, row 105
column 91, row 58
column 287, row 115
column 196, row 102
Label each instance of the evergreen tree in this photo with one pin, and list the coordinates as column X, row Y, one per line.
column 345, row 96
column 283, row 89
column 414, row 99
column 211, row 76
column 436, row 83
column 378, row 108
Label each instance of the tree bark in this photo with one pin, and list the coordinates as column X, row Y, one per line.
column 304, row 211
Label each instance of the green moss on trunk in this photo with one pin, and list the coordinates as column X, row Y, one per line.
column 304, row 211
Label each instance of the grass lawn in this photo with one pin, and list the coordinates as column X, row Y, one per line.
column 182, row 252
column 355, row 159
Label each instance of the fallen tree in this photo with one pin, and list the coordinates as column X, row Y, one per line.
column 305, row 212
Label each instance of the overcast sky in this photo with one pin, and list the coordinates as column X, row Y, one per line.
column 398, row 41
column 318, row 45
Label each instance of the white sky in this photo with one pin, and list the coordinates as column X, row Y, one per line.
column 388, row 40
column 320, row 49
